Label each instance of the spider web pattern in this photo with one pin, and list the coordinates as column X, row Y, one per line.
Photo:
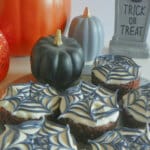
column 37, row 135
column 110, row 140
column 118, row 139
column 116, row 67
column 137, row 103
column 31, row 98
column 97, row 105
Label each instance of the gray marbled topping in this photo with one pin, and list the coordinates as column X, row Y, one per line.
column 140, row 140
column 30, row 100
column 37, row 135
column 121, row 139
column 137, row 103
column 115, row 69
column 90, row 105
column 111, row 140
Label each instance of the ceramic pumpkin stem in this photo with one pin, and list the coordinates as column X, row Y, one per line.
column 58, row 39
column 86, row 13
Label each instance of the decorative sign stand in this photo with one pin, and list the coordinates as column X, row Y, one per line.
column 132, row 19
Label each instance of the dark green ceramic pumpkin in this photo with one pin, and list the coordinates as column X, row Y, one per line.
column 57, row 60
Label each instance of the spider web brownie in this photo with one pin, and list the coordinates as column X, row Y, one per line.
column 26, row 101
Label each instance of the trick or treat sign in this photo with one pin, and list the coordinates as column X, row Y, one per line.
column 132, row 18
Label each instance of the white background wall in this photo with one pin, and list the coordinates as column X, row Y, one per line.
column 103, row 9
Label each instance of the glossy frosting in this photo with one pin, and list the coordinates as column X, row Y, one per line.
column 89, row 105
column 111, row 140
column 30, row 100
column 115, row 69
column 37, row 135
column 137, row 103
column 120, row 139
column 140, row 140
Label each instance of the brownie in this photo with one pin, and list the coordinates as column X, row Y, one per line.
column 116, row 72
column 90, row 110
column 136, row 107
column 26, row 101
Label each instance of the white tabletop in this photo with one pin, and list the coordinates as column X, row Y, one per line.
column 19, row 66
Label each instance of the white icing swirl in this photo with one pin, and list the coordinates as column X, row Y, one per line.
column 137, row 103
column 96, row 107
column 33, row 135
column 30, row 100
column 118, row 139
column 111, row 140
column 137, row 139
column 115, row 69
column 142, row 142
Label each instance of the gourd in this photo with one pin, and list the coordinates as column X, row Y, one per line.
column 88, row 31
column 23, row 22
column 57, row 60
column 4, row 57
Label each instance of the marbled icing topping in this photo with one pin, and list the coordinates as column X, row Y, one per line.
column 137, row 139
column 137, row 103
column 120, row 139
column 77, row 93
column 90, row 105
column 142, row 142
column 37, row 135
column 111, row 140
column 115, row 69
column 30, row 100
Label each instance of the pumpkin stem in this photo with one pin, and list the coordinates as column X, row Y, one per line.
column 57, row 39
column 86, row 13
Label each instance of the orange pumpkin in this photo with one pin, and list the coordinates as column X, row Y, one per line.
column 24, row 21
column 4, row 57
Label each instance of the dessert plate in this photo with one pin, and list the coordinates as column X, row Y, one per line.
column 85, row 76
